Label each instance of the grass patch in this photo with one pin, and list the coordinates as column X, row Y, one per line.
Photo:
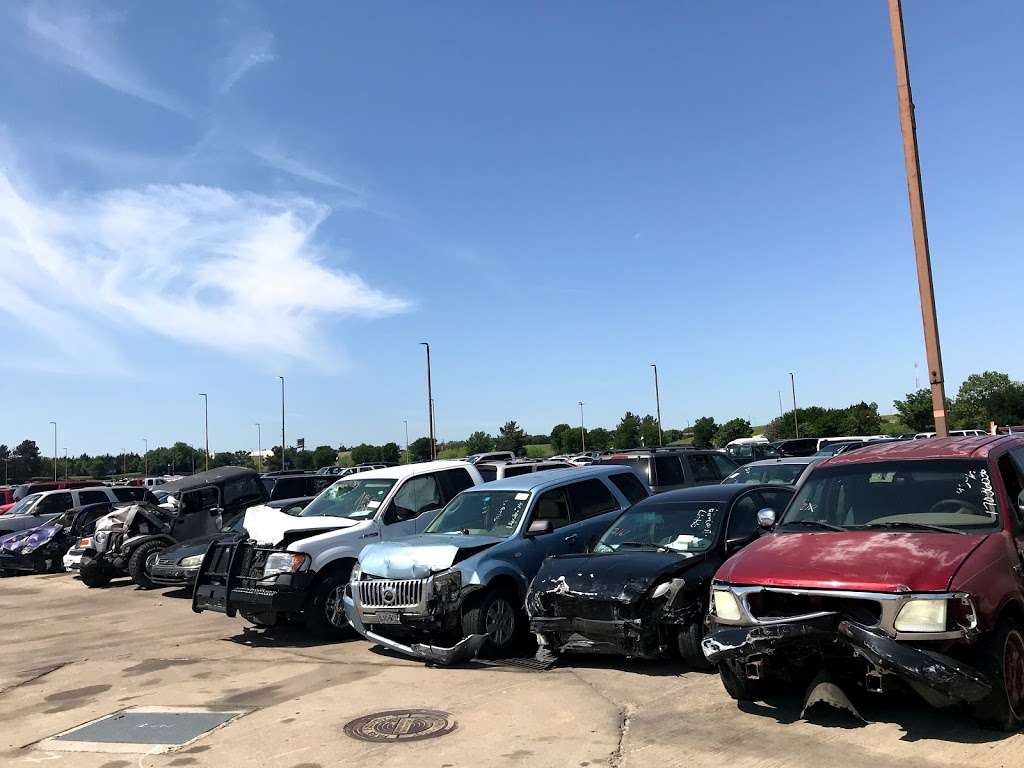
column 540, row 451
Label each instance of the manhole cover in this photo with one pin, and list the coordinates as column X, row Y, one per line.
column 141, row 729
column 401, row 725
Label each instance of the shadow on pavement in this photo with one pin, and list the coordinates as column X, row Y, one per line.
column 646, row 667
column 284, row 636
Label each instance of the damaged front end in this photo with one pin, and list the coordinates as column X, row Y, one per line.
column 396, row 613
column 877, row 641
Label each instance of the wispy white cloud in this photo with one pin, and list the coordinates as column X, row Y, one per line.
column 271, row 154
column 195, row 264
column 86, row 42
column 250, row 51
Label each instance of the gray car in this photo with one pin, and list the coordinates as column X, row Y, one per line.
column 788, row 470
column 467, row 575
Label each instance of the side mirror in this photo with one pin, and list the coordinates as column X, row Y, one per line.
column 540, row 527
column 766, row 518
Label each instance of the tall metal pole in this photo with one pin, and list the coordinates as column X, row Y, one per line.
column 54, row 450
column 583, row 432
column 430, row 404
column 657, row 403
column 206, row 426
column 917, row 219
column 782, row 413
column 259, row 448
column 65, row 463
column 796, row 421
column 145, row 458
column 283, row 444
column 406, row 422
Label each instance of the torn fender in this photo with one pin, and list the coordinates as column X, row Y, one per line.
column 728, row 642
column 463, row 651
column 945, row 676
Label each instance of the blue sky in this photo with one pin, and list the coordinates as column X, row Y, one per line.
column 204, row 196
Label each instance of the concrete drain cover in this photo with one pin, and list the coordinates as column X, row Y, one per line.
column 401, row 725
column 141, row 729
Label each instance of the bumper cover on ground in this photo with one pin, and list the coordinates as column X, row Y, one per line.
column 462, row 651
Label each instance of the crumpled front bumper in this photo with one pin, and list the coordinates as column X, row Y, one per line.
column 581, row 635
column 15, row 561
column 938, row 678
column 462, row 651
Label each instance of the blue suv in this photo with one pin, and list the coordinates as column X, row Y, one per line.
column 467, row 575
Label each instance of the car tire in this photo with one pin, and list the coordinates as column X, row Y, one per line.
column 137, row 563
column 94, row 575
column 737, row 684
column 324, row 614
column 1001, row 658
column 688, row 643
column 495, row 615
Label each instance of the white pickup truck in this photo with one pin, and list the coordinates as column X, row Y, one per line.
column 299, row 564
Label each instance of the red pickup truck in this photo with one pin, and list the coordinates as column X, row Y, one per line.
column 898, row 566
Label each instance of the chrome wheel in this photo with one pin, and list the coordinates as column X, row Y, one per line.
column 334, row 607
column 1013, row 673
column 500, row 622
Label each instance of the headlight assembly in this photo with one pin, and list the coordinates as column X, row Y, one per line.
column 921, row 615
column 193, row 561
column 727, row 607
column 357, row 572
column 447, row 580
column 285, row 562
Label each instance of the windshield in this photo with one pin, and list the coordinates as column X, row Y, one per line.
column 354, row 498
column 482, row 514
column 22, row 506
column 950, row 493
column 682, row 526
column 773, row 474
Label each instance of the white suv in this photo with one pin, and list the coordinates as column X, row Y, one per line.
column 38, row 508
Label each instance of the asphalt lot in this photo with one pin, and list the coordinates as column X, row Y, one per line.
column 72, row 655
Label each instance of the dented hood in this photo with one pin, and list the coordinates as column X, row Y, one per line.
column 619, row 576
column 268, row 525
column 32, row 538
column 416, row 557
column 870, row 561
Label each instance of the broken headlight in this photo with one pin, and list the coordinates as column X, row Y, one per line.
column 357, row 572
column 727, row 607
column 922, row 615
column 285, row 562
column 447, row 581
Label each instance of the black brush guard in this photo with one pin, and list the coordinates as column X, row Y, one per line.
column 230, row 570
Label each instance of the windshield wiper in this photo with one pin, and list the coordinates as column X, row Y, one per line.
column 813, row 524
column 918, row 526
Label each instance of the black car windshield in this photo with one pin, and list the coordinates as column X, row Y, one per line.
column 680, row 526
column 354, row 498
column 774, row 474
column 949, row 493
column 481, row 513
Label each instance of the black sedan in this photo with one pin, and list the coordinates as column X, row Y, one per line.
column 642, row 589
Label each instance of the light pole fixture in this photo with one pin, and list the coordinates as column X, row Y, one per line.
column 583, row 432
column 430, row 404
column 283, row 444
column 796, row 421
column 145, row 458
column 54, row 450
column 206, row 426
column 406, row 422
column 259, row 448
column 657, row 403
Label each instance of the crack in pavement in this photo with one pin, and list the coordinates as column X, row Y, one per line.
column 36, row 674
column 618, row 757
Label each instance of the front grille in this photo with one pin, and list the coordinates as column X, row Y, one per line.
column 391, row 593
column 595, row 610
column 768, row 605
column 166, row 561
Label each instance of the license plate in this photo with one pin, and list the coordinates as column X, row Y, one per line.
column 389, row 617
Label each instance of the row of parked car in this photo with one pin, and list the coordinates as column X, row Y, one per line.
column 895, row 566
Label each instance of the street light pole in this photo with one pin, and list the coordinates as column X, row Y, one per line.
column 782, row 413
column 65, row 463
column 406, row 422
column 206, row 426
column 259, row 448
column 283, row 444
column 583, row 432
column 918, row 223
column 657, row 402
column 145, row 458
column 54, row 450
column 430, row 404
column 796, row 421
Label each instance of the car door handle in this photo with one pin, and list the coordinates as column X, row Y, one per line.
column 570, row 539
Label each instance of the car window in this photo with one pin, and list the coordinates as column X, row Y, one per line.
column 243, row 489
column 704, row 468
column 91, row 497
column 591, row 498
column 1014, row 483
column 776, row 500
column 200, row 499
column 488, row 472
column 668, row 470
column 630, row 486
column 419, row 494
column 553, row 506
column 743, row 519
column 723, row 464
column 128, row 493
column 454, row 481
column 55, row 503
column 516, row 471
column 641, row 464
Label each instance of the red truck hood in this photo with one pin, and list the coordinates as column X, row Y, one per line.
column 857, row 560
column 5, row 507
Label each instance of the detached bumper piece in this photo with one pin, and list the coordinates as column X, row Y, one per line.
column 463, row 651
column 727, row 643
column 230, row 580
column 580, row 635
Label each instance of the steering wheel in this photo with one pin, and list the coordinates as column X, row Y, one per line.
column 956, row 507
